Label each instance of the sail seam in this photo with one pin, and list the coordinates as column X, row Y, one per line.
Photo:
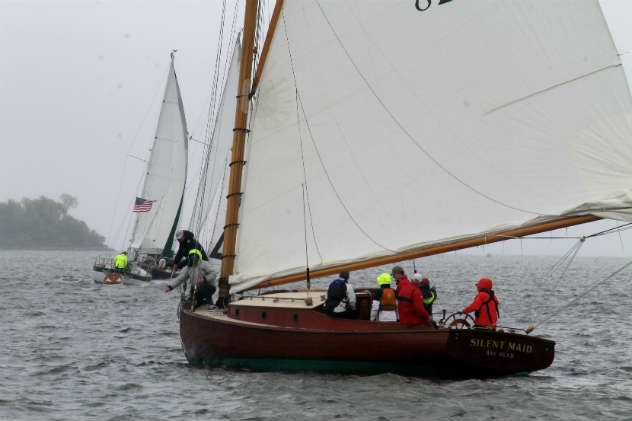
column 550, row 88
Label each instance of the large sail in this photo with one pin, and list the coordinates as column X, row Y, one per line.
column 208, row 215
column 382, row 127
column 166, row 174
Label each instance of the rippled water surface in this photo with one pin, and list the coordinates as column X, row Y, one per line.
column 76, row 350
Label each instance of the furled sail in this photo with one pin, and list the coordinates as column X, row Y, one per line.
column 210, row 207
column 382, row 128
column 166, row 175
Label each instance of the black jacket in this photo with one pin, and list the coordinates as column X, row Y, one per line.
column 186, row 245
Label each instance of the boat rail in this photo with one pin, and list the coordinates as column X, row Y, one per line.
column 104, row 262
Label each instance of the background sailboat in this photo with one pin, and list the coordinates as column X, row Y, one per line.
column 386, row 131
column 162, row 192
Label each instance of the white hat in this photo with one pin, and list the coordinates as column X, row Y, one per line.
column 417, row 277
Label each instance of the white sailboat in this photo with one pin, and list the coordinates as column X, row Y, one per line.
column 395, row 129
column 159, row 206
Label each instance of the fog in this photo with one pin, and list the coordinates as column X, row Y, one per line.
column 80, row 87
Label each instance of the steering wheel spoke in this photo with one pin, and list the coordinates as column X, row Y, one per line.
column 458, row 321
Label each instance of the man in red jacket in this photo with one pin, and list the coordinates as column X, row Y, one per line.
column 410, row 303
column 485, row 305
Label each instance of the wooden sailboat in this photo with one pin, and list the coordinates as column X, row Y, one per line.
column 154, row 229
column 391, row 130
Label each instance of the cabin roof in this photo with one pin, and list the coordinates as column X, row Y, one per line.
column 294, row 299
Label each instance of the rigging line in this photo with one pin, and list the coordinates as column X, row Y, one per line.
column 320, row 159
column 300, row 139
column 568, row 253
column 408, row 134
column 583, row 293
column 199, row 210
column 200, row 195
column 513, row 237
column 305, row 234
column 611, row 230
column 575, row 249
column 539, row 280
column 558, row 263
column 219, row 201
column 307, row 199
column 571, row 256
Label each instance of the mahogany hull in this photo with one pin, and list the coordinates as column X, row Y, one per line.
column 357, row 346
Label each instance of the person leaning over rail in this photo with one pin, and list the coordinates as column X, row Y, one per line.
column 187, row 243
column 202, row 280
column 485, row 305
column 341, row 298
column 384, row 305
column 410, row 304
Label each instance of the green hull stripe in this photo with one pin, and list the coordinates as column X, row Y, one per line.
column 341, row 366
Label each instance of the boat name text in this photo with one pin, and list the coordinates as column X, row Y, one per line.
column 491, row 344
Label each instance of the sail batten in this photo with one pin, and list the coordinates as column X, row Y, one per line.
column 408, row 135
column 551, row 87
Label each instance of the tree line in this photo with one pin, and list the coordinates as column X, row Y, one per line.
column 44, row 223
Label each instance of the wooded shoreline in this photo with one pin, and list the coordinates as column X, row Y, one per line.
column 45, row 224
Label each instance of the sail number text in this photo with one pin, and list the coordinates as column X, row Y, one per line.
column 422, row 5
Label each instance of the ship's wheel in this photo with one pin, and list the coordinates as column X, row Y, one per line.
column 458, row 321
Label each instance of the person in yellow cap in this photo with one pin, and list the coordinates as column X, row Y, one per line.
column 201, row 277
column 384, row 306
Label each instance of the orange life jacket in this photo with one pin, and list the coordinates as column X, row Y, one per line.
column 388, row 301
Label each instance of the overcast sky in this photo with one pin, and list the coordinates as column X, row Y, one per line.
column 80, row 87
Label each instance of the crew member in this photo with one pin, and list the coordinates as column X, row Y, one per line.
column 202, row 280
column 341, row 299
column 410, row 304
column 384, row 305
column 120, row 262
column 187, row 243
column 429, row 293
column 485, row 305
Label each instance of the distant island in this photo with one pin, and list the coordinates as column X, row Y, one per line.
column 43, row 223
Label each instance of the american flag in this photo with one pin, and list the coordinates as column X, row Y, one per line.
column 142, row 205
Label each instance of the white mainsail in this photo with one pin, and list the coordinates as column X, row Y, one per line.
column 166, row 174
column 380, row 128
column 210, row 208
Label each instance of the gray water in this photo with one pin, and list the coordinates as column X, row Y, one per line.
column 76, row 350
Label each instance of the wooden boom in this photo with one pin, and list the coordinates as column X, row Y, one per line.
column 444, row 248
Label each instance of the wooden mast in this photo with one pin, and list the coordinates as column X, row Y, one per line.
column 473, row 242
column 239, row 140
